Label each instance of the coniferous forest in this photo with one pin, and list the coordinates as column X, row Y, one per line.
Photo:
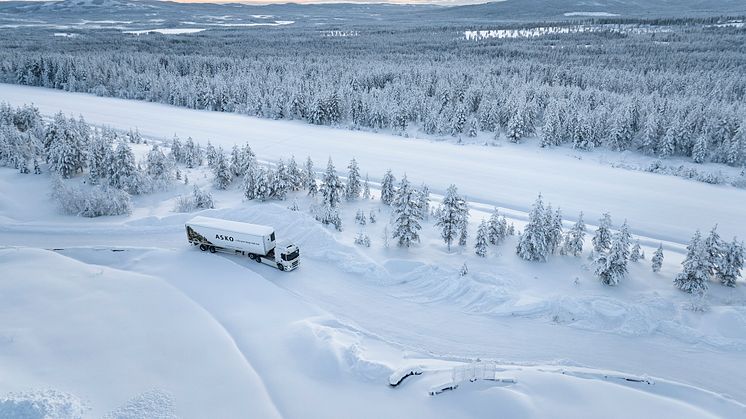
column 663, row 88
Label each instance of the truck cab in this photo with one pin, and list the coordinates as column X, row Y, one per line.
column 289, row 258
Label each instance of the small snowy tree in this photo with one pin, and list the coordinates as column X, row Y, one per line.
column 262, row 184
column 406, row 215
column 295, row 176
column 611, row 266
column 657, row 261
column 636, row 253
column 280, row 181
column 533, row 242
column 497, row 228
column 220, row 168
column 366, row 188
column 387, row 188
column 309, row 177
column 714, row 248
column 575, row 238
column 331, row 186
column 123, row 172
column 372, row 217
column 452, row 215
column 481, row 241
column 360, row 217
column 553, row 228
column 425, row 201
column 696, row 268
column 602, row 239
column 730, row 263
column 211, row 154
column 353, row 187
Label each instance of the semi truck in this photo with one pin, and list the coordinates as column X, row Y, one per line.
column 252, row 240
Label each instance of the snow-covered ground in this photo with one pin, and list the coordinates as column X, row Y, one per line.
column 127, row 320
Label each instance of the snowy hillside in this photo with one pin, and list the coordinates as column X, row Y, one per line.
column 197, row 334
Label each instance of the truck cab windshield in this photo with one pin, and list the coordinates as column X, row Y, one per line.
column 290, row 256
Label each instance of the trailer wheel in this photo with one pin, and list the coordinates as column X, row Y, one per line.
column 202, row 247
column 212, row 249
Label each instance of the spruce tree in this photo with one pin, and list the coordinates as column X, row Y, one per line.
column 602, row 238
column 451, row 215
column 211, row 154
column 387, row 188
column 249, row 183
column 406, row 215
column 481, row 241
column 331, row 186
column 221, row 170
column 280, row 181
column 366, row 188
column 353, row 187
column 696, row 268
column 425, row 201
column 497, row 228
column 611, row 266
column 295, row 175
column 730, row 263
column 309, row 177
column 575, row 238
column 714, row 246
column 533, row 244
column 262, row 184
column 636, row 253
column 176, row 150
column 657, row 261
column 123, row 170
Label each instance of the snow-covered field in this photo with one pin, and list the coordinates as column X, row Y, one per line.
column 118, row 315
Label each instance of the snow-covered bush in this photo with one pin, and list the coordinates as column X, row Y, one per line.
column 199, row 199
column 90, row 201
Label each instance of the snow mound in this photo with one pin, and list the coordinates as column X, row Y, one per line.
column 332, row 348
column 154, row 404
column 45, row 404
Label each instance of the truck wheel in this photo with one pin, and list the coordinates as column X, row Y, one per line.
column 258, row 259
column 252, row 256
column 202, row 247
column 212, row 249
column 280, row 267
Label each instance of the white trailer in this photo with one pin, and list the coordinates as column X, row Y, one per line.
column 252, row 240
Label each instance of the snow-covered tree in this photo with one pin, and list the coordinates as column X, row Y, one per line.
column 366, row 188
column 657, row 261
column 611, row 266
column 602, row 238
column 533, row 243
column 730, row 263
column 636, row 252
column 192, row 154
column 309, row 177
column 553, row 228
column 295, row 176
column 696, row 268
column 99, row 149
column 387, row 188
column 360, row 217
column 372, row 217
column 241, row 160
column 497, row 228
column 280, row 181
column 211, row 154
column 425, row 201
column 481, row 241
column 158, row 167
column 714, row 246
column 123, row 172
column 248, row 184
column 574, row 239
column 221, row 170
column 332, row 187
column 65, row 148
column 353, row 187
column 176, row 150
column 262, row 184
column 406, row 215
column 452, row 215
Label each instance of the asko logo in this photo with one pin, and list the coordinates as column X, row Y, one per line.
column 222, row 237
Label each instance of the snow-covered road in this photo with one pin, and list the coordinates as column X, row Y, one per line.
column 657, row 206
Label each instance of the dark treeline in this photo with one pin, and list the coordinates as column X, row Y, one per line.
column 675, row 91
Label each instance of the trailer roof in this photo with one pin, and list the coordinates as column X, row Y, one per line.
column 234, row 226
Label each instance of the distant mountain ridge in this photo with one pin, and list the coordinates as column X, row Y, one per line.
column 350, row 13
